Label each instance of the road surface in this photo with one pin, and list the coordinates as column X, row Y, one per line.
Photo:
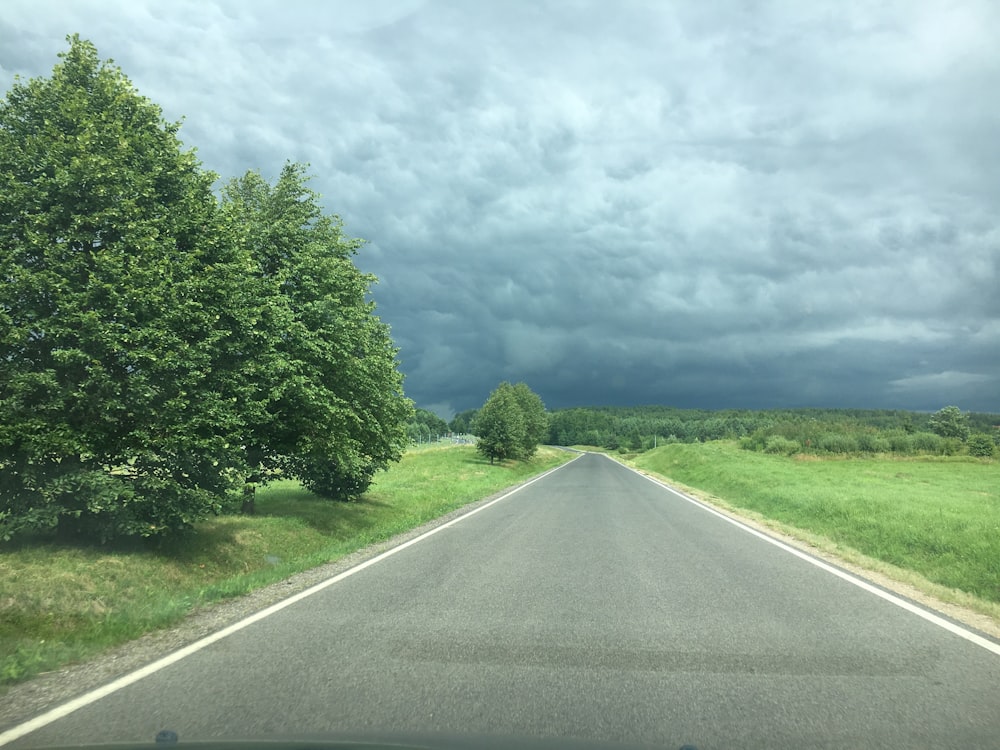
column 593, row 605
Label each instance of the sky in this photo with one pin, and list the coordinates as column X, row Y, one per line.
column 697, row 204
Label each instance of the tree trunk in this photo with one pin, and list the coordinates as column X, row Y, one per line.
column 249, row 500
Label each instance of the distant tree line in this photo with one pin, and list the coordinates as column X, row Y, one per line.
column 164, row 348
column 425, row 425
column 632, row 429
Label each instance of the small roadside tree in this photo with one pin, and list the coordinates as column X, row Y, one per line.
column 511, row 423
column 499, row 425
column 950, row 422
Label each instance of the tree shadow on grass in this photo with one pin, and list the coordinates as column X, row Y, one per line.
column 328, row 517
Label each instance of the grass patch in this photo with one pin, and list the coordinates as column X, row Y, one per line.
column 62, row 603
column 938, row 517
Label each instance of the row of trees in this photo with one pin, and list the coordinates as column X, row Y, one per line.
column 780, row 430
column 162, row 346
column 425, row 425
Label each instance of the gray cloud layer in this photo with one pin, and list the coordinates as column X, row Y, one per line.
column 736, row 204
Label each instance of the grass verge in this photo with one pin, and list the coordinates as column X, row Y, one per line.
column 62, row 603
column 930, row 520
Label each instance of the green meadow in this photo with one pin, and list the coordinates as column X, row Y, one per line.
column 936, row 516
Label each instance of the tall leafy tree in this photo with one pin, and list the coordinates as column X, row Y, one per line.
column 118, row 302
column 324, row 398
column 499, row 425
column 462, row 422
column 536, row 421
column 950, row 422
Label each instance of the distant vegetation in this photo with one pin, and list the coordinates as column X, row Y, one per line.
column 426, row 426
column 781, row 431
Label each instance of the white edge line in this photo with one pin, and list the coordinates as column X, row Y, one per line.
column 63, row 710
column 859, row 582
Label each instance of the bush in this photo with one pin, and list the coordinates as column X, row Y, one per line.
column 981, row 445
column 951, row 446
column 781, row 445
column 926, row 442
column 332, row 481
column 899, row 442
column 869, row 442
column 754, row 442
column 838, row 442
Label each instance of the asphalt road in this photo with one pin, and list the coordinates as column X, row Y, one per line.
column 590, row 605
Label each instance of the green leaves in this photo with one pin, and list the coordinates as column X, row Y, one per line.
column 511, row 423
column 326, row 390
column 159, row 348
column 949, row 422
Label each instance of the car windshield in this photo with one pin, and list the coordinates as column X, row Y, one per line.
column 520, row 371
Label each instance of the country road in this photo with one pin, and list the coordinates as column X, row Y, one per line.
column 592, row 604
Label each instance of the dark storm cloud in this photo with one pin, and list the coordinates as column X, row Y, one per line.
column 736, row 204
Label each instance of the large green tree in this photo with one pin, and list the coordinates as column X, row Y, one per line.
column 324, row 396
column 499, row 425
column 119, row 298
column 511, row 423
column 950, row 422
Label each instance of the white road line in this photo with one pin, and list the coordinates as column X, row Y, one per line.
column 86, row 699
column 850, row 578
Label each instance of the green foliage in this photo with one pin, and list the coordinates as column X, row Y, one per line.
column 115, row 399
column 612, row 427
column 782, row 446
column 927, row 442
column 425, row 425
column 158, row 349
column 536, row 421
column 499, row 425
column 325, row 400
column 981, row 445
column 511, row 423
column 949, row 422
column 838, row 442
column 462, row 422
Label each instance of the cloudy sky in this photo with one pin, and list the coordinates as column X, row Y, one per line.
column 705, row 204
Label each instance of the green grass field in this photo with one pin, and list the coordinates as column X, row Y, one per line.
column 62, row 603
column 938, row 517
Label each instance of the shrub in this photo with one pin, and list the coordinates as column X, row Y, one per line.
column 951, row 446
column 899, row 442
column 837, row 442
column 782, row 445
column 927, row 442
column 869, row 442
column 981, row 445
column 754, row 442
